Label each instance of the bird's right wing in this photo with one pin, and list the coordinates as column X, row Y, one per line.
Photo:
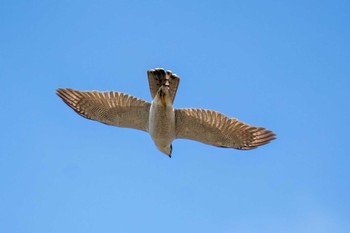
column 216, row 129
column 112, row 108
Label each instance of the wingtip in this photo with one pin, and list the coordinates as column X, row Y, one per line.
column 60, row 91
column 265, row 138
column 262, row 137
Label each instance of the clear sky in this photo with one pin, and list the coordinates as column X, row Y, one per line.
column 283, row 65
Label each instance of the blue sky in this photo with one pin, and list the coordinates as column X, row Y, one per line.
column 283, row 65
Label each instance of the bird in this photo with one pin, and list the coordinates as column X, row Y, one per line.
column 161, row 120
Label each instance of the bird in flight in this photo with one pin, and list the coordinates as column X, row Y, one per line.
column 161, row 120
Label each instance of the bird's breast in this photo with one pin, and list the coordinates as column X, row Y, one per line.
column 161, row 122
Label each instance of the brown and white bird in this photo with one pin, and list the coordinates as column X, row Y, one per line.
column 163, row 122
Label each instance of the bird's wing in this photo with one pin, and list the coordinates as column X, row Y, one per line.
column 112, row 108
column 159, row 77
column 216, row 129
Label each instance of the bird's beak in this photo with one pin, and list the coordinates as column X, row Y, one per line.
column 171, row 150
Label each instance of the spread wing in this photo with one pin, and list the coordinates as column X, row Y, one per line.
column 216, row 129
column 159, row 77
column 111, row 108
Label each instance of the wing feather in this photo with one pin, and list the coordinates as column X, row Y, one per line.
column 216, row 129
column 111, row 108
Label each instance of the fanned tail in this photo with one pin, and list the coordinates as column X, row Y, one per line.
column 159, row 77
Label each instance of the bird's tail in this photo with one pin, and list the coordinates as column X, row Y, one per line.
column 159, row 77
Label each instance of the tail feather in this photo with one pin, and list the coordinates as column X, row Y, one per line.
column 159, row 77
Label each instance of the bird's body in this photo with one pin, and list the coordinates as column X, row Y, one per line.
column 163, row 122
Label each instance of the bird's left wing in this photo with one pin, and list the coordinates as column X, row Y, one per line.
column 216, row 129
column 112, row 108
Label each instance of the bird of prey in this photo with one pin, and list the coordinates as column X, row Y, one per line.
column 163, row 122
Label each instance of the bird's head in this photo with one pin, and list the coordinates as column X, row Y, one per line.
column 166, row 150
